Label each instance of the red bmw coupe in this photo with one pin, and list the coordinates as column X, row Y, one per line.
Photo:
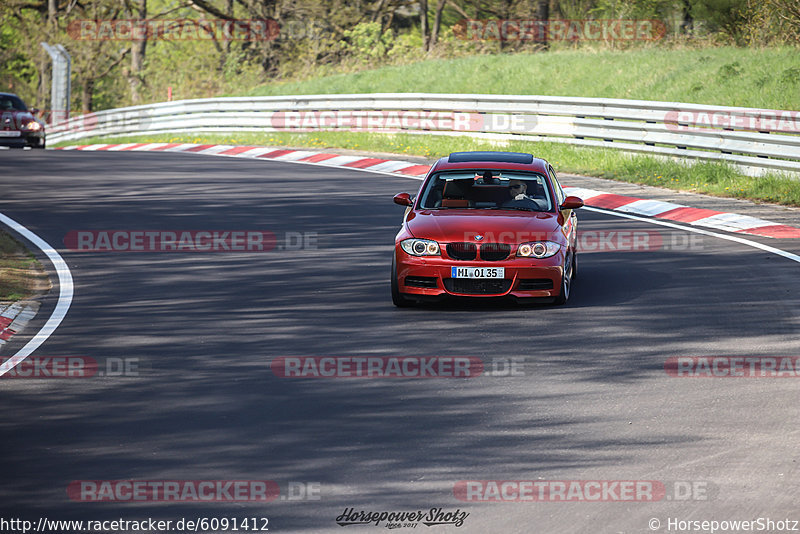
column 486, row 224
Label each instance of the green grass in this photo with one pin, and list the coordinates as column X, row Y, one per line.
column 712, row 178
column 746, row 77
column 20, row 272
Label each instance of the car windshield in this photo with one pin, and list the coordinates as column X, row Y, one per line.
column 487, row 189
column 11, row 103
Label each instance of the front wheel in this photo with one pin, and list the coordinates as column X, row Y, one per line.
column 566, row 281
column 574, row 265
column 397, row 298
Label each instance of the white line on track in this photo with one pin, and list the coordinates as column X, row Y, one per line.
column 755, row 244
column 735, row 239
column 64, row 296
column 66, row 286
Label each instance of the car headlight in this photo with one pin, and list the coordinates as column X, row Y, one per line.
column 420, row 247
column 32, row 126
column 538, row 249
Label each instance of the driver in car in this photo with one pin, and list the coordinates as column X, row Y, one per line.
column 517, row 190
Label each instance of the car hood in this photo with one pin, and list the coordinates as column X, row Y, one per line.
column 495, row 226
column 15, row 119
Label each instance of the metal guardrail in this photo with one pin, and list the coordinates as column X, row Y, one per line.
column 756, row 140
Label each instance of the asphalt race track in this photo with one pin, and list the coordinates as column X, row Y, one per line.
column 591, row 400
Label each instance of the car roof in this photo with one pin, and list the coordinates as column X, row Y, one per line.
column 492, row 160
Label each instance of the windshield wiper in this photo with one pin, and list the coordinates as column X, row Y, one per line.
column 519, row 208
column 455, row 208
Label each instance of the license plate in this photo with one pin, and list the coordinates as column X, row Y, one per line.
column 477, row 272
column 9, row 133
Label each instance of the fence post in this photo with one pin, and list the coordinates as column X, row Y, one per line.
column 61, row 86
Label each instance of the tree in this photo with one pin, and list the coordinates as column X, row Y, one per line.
column 137, row 10
column 437, row 22
column 773, row 21
column 542, row 15
column 725, row 16
column 423, row 18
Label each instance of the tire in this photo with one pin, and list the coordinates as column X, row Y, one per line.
column 574, row 265
column 566, row 282
column 397, row 298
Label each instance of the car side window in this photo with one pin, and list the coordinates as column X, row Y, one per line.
column 559, row 192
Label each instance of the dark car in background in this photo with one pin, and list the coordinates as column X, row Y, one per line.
column 18, row 126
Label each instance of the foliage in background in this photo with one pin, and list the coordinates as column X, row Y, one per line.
column 726, row 17
column 772, row 22
column 745, row 77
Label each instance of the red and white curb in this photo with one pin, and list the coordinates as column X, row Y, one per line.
column 729, row 222
column 718, row 220
column 406, row 168
column 14, row 317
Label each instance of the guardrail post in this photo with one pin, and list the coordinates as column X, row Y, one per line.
column 61, row 85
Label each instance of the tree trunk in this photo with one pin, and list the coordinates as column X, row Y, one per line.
column 543, row 16
column 687, row 25
column 437, row 22
column 52, row 12
column 378, row 13
column 223, row 58
column 138, row 51
column 86, row 95
column 423, row 18
column 388, row 22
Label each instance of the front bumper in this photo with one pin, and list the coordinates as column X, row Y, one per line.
column 430, row 276
column 21, row 138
